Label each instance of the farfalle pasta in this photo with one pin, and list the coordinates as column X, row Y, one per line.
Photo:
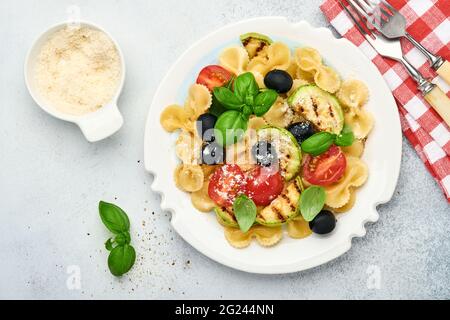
column 188, row 147
column 278, row 57
column 327, row 79
column 353, row 93
column 173, row 118
column 308, row 59
column 198, row 102
column 310, row 65
column 292, row 69
column 355, row 150
column 356, row 174
column 189, row 177
column 234, row 59
column 257, row 123
column 280, row 114
column 240, row 152
column 285, row 150
column 208, row 171
column 305, row 76
column 259, row 79
column 361, row 121
column 201, row 200
column 348, row 206
column 265, row 236
column 298, row 228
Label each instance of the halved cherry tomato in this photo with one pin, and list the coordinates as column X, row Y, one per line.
column 264, row 185
column 326, row 169
column 226, row 184
column 214, row 76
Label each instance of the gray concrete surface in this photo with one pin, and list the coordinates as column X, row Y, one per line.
column 51, row 180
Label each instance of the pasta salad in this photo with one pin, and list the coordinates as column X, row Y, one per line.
column 270, row 138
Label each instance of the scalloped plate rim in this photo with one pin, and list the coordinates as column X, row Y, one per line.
column 334, row 252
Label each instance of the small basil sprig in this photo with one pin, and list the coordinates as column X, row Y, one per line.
column 346, row 137
column 320, row 142
column 122, row 255
column 312, row 202
column 217, row 109
column 245, row 211
column 246, row 100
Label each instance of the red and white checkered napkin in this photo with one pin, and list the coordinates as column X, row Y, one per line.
column 429, row 23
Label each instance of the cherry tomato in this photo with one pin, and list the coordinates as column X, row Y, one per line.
column 214, row 76
column 326, row 169
column 227, row 183
column 264, row 185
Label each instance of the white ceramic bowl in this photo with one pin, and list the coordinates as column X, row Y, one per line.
column 96, row 125
column 382, row 154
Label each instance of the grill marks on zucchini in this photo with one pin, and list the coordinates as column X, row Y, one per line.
column 283, row 208
column 260, row 46
column 287, row 148
column 256, row 44
column 226, row 217
column 315, row 106
column 319, row 107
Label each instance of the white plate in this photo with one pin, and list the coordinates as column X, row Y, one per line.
column 383, row 152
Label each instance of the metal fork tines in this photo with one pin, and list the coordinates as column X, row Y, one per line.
column 393, row 50
column 388, row 48
column 391, row 24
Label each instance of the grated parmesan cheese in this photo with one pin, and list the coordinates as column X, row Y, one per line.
column 78, row 70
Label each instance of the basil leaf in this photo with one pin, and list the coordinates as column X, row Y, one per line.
column 227, row 98
column 230, row 128
column 312, row 202
column 264, row 101
column 109, row 244
column 216, row 108
column 247, row 111
column 123, row 238
column 249, row 100
column 245, row 212
column 246, row 87
column 230, row 83
column 121, row 259
column 318, row 143
column 346, row 138
column 114, row 218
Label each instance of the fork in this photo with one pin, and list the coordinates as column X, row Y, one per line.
column 392, row 24
column 392, row 49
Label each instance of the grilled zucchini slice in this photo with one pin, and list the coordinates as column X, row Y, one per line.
column 226, row 217
column 256, row 44
column 287, row 148
column 283, row 208
column 319, row 107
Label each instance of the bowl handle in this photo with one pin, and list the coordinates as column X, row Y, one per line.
column 102, row 123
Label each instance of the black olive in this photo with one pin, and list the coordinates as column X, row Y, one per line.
column 264, row 154
column 324, row 223
column 212, row 154
column 279, row 80
column 205, row 126
column 302, row 130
